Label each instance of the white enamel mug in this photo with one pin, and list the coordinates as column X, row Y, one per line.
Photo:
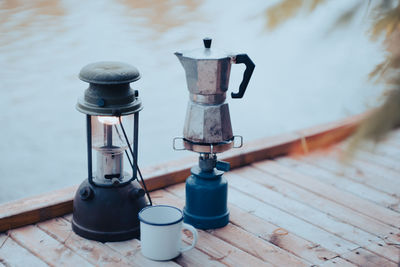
column 161, row 232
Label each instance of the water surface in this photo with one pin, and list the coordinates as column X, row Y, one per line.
column 304, row 75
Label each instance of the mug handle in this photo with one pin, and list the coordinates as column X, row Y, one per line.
column 194, row 232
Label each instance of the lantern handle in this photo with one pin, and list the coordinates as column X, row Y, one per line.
column 134, row 160
column 89, row 148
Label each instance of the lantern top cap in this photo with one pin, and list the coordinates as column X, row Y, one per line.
column 109, row 72
column 109, row 92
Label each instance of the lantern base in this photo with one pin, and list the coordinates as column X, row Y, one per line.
column 108, row 214
column 206, row 199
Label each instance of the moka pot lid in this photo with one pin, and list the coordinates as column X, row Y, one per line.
column 205, row 53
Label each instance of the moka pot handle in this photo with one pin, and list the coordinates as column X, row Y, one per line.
column 244, row 58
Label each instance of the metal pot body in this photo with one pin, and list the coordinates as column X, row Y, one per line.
column 207, row 77
column 207, row 124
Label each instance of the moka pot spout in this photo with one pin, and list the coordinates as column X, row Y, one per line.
column 179, row 56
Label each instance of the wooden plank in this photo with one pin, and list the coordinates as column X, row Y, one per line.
column 46, row 248
column 257, row 150
column 341, row 183
column 387, row 250
column 331, row 212
column 338, row 262
column 364, row 258
column 394, row 145
column 290, row 242
column 196, row 258
column 357, row 174
column 344, row 198
column 387, row 150
column 317, row 137
column 12, row 254
column 257, row 247
column 290, row 222
column 248, row 242
column 342, row 212
column 311, row 215
column 3, row 238
column 375, row 170
column 36, row 209
column 176, row 171
column 57, row 203
column 214, row 247
column 95, row 252
column 226, row 253
column 172, row 172
column 68, row 217
column 374, row 158
column 129, row 250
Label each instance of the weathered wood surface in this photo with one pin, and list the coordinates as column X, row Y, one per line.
column 241, row 239
column 31, row 210
column 287, row 211
column 12, row 254
column 57, row 203
column 338, row 181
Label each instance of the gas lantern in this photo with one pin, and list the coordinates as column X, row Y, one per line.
column 208, row 131
column 107, row 203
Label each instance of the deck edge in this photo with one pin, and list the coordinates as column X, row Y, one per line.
column 57, row 203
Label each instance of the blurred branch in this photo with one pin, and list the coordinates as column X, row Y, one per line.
column 281, row 12
column 386, row 20
column 348, row 15
column 376, row 126
column 287, row 9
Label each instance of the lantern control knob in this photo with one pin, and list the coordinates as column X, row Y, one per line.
column 115, row 181
column 136, row 193
column 86, row 193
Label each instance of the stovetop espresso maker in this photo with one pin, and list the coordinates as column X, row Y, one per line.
column 208, row 126
column 208, row 131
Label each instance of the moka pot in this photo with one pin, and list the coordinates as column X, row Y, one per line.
column 208, row 126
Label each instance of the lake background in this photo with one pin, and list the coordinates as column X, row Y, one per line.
column 306, row 74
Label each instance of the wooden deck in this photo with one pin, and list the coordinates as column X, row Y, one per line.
column 301, row 210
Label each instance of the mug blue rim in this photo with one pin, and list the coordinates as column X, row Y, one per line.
column 160, row 224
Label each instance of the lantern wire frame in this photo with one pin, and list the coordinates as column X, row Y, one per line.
column 134, row 160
